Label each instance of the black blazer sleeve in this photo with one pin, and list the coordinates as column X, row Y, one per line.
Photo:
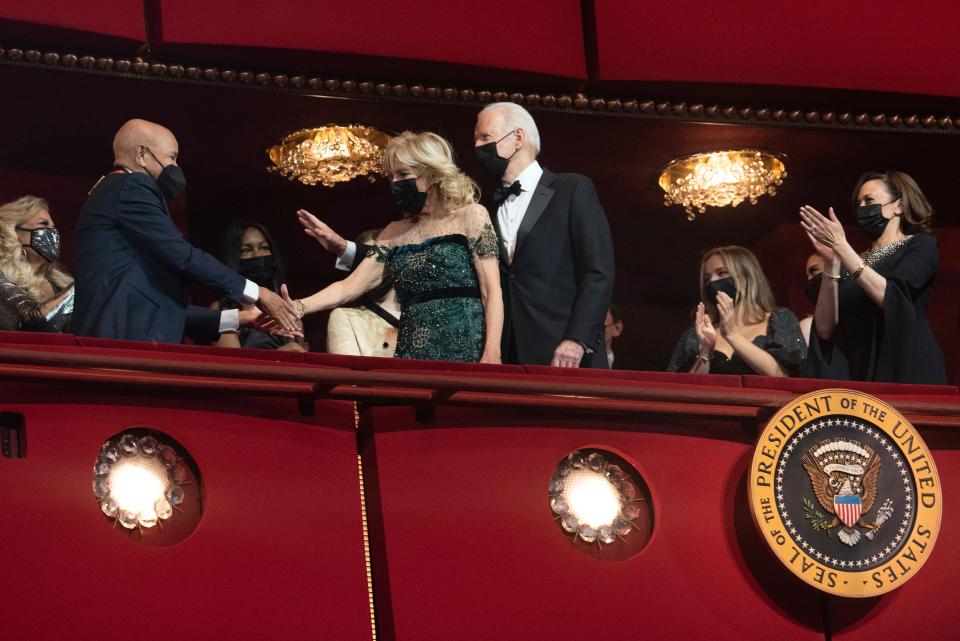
column 202, row 324
column 146, row 223
column 362, row 251
column 594, row 264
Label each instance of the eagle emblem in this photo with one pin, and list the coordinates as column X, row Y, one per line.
column 844, row 475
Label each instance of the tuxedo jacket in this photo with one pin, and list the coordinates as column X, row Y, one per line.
column 559, row 284
column 134, row 268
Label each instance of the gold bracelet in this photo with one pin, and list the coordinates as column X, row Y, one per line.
column 835, row 279
column 298, row 307
column 855, row 275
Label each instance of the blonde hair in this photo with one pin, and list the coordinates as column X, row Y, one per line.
column 429, row 154
column 13, row 263
column 753, row 291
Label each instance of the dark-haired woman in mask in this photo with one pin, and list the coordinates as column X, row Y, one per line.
column 871, row 322
column 813, row 272
column 35, row 293
column 738, row 329
column 248, row 247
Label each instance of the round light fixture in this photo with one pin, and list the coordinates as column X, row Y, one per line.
column 329, row 154
column 599, row 498
column 721, row 179
column 140, row 480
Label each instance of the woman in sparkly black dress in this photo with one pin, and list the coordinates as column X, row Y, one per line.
column 871, row 322
column 442, row 256
column 35, row 293
column 738, row 329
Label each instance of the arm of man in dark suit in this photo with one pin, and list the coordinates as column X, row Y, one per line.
column 202, row 324
column 594, row 262
column 145, row 221
column 362, row 250
column 352, row 256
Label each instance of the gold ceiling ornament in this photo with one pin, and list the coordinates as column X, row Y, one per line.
column 330, row 154
column 721, row 178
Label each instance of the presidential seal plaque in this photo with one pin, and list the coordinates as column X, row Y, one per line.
column 846, row 493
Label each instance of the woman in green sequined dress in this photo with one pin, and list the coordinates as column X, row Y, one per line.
column 442, row 256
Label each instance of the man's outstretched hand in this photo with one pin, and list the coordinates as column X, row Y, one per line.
column 280, row 311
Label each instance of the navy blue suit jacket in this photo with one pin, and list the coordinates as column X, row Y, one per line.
column 134, row 267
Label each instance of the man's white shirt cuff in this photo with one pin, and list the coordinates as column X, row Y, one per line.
column 251, row 293
column 345, row 262
column 229, row 320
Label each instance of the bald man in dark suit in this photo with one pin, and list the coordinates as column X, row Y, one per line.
column 134, row 267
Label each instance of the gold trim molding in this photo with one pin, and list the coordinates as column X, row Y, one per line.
column 575, row 103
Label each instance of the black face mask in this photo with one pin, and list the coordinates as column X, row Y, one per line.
column 492, row 162
column 871, row 220
column 45, row 241
column 812, row 288
column 262, row 270
column 726, row 285
column 409, row 199
column 171, row 180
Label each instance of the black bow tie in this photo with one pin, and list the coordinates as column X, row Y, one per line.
column 502, row 193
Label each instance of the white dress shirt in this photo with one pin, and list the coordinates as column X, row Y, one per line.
column 511, row 211
column 230, row 318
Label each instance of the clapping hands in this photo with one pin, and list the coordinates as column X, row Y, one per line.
column 826, row 234
column 706, row 332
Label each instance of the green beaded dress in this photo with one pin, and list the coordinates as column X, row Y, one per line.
column 436, row 281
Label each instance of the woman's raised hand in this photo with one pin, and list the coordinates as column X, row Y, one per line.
column 321, row 232
column 706, row 332
column 728, row 315
column 826, row 234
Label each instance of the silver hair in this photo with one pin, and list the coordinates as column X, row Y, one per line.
column 516, row 117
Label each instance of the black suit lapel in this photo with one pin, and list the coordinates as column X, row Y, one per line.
column 538, row 203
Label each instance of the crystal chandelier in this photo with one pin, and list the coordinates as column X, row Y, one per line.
column 329, row 154
column 721, row 178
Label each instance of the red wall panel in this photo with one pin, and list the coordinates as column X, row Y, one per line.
column 470, row 538
column 885, row 46
column 542, row 36
column 119, row 18
column 277, row 553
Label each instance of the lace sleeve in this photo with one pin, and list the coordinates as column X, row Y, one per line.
column 378, row 252
column 483, row 239
column 485, row 244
